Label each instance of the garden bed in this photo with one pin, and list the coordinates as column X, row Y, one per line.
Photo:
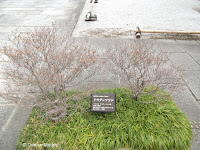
column 156, row 126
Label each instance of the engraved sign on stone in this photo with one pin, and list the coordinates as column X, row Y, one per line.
column 103, row 102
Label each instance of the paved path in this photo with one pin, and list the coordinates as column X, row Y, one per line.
column 27, row 14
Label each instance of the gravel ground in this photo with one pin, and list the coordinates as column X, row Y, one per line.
column 120, row 17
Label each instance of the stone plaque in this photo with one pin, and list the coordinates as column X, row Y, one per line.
column 103, row 102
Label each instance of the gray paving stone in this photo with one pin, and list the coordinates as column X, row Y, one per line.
column 35, row 17
column 9, row 29
column 1, row 13
column 55, row 17
column 3, row 17
column 39, row 20
column 76, row 2
column 40, row 6
column 5, row 112
column 48, row 9
column 3, row 6
column 74, row 15
column 7, row 13
column 17, row 20
column 184, row 43
column 1, row 9
column 20, row 4
column 198, row 42
column 170, row 46
column 25, row 29
column 30, row 12
column 18, row 8
column 54, row 4
column 193, row 79
column 198, row 102
column 194, row 50
column 65, row 31
column 196, row 140
column 65, row 20
column 10, row 135
column 53, row 12
column 184, row 61
column 23, row 4
column 40, row 2
column 187, row 103
column 67, row 9
column 64, row 2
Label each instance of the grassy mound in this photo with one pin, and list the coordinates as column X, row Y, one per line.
column 136, row 126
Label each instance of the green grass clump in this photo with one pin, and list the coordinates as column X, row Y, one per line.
column 157, row 126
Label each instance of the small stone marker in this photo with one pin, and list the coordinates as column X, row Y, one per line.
column 103, row 102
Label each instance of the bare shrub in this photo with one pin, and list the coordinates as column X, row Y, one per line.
column 44, row 62
column 140, row 65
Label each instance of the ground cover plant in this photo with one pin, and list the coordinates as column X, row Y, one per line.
column 156, row 126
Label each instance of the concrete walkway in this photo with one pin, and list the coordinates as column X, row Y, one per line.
column 27, row 14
